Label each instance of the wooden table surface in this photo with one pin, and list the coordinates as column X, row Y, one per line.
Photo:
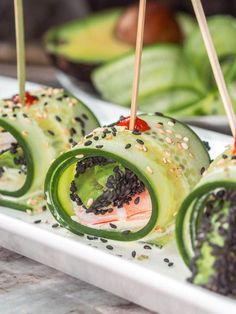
column 28, row 287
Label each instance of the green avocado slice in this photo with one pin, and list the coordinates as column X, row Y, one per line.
column 90, row 40
column 92, row 183
column 7, row 159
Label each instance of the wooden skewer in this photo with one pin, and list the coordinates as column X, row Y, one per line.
column 215, row 64
column 138, row 56
column 20, row 47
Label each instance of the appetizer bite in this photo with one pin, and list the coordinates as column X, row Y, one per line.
column 205, row 227
column 31, row 137
column 127, row 185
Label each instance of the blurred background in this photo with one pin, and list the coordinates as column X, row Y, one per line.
column 88, row 55
column 41, row 15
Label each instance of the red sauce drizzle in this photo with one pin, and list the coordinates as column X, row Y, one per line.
column 29, row 99
column 140, row 125
column 234, row 151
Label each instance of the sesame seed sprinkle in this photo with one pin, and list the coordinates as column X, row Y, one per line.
column 171, row 123
column 149, row 169
column 168, row 140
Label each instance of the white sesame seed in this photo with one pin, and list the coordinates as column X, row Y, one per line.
column 80, row 156
column 161, row 131
column 90, row 202
column 179, row 146
column 191, row 155
column 149, row 169
column 178, row 136
column 109, row 136
column 186, row 139
column 185, row 146
column 24, row 133
column 170, row 123
column 139, row 146
column 164, row 160
column 145, row 149
column 168, row 140
column 159, row 125
column 169, row 131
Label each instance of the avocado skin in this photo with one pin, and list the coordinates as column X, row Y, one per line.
column 80, row 71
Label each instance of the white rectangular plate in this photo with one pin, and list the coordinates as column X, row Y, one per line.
column 146, row 279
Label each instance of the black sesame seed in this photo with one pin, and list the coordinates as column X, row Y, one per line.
column 137, row 200
column 113, row 226
column 224, row 156
column 147, row 247
column 170, row 264
column 126, row 232
column 96, row 138
column 202, row 170
column 140, row 141
column 99, row 146
column 37, row 221
column 51, row 132
column 127, row 146
column 103, row 240
column 58, row 118
column 84, row 116
column 44, row 207
column 166, row 260
column 72, row 131
column 133, row 254
column 136, row 132
column 206, row 145
column 56, row 225
column 87, row 143
column 109, row 247
column 89, row 136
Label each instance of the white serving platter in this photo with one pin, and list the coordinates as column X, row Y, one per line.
column 146, row 279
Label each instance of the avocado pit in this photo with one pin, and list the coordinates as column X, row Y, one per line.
column 160, row 25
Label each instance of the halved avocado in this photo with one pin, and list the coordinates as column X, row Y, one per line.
column 81, row 45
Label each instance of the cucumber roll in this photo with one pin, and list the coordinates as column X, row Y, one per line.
column 125, row 185
column 205, row 227
column 31, row 137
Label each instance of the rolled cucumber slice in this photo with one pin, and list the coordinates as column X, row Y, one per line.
column 168, row 159
column 205, row 227
column 39, row 133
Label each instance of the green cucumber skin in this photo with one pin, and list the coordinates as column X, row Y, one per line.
column 38, row 161
column 118, row 153
column 107, row 78
column 187, row 218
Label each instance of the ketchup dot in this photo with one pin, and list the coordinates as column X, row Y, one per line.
column 29, row 99
column 234, row 151
column 139, row 125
